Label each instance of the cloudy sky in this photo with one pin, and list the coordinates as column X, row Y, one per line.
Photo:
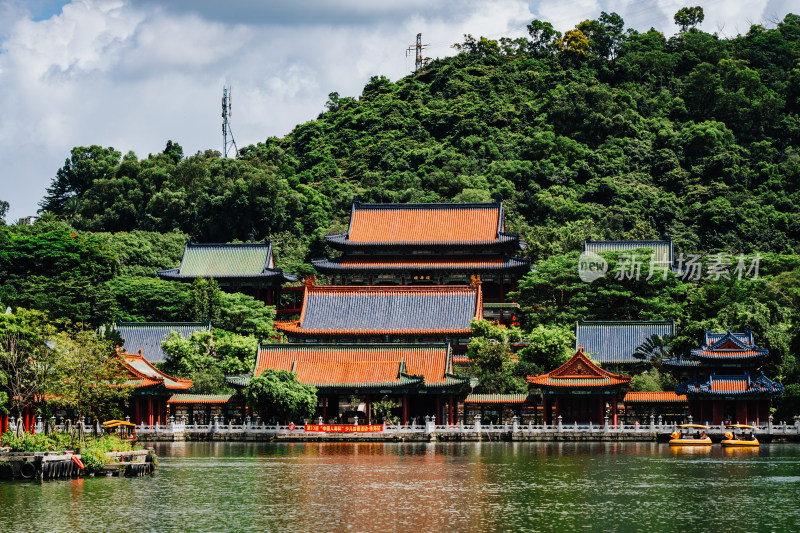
column 134, row 73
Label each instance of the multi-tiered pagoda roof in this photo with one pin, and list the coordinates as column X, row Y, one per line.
column 729, row 359
column 436, row 239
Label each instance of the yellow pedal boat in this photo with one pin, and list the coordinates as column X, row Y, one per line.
column 679, row 438
column 732, row 440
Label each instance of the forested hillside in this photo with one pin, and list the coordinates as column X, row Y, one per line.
column 602, row 132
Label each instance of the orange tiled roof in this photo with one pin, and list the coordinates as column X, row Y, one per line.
column 577, row 373
column 654, row 397
column 142, row 374
column 343, row 365
column 728, row 353
column 387, row 310
column 729, row 385
column 421, row 223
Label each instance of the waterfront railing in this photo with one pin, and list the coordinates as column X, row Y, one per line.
column 255, row 428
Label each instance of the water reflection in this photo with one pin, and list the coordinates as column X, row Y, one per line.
column 223, row 486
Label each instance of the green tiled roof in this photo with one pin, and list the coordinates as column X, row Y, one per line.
column 200, row 398
column 486, row 399
column 226, row 261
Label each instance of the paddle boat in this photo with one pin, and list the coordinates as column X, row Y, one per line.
column 733, row 440
column 685, row 438
column 123, row 429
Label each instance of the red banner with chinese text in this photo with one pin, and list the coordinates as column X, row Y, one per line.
column 344, row 428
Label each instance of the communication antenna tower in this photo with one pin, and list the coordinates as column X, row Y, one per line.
column 417, row 50
column 226, row 124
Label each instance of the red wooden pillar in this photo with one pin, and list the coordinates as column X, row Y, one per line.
column 405, row 409
column 558, row 407
column 369, row 409
column 149, row 410
column 546, row 411
column 450, row 410
column 741, row 412
column 614, row 410
column 717, row 413
column 438, row 409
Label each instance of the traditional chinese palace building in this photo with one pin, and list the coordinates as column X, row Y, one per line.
column 579, row 391
column 417, row 377
column 722, row 382
column 611, row 344
column 245, row 268
column 151, row 389
column 380, row 314
column 148, row 336
column 428, row 244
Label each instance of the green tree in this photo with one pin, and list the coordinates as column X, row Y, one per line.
column 278, row 393
column 27, row 360
column 548, row 348
column 205, row 300
column 80, row 171
column 3, row 210
column 687, row 18
column 89, row 375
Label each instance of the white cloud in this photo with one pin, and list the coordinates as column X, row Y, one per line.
column 134, row 73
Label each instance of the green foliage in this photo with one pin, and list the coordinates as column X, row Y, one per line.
column 145, row 299
column 52, row 268
column 89, row 376
column 278, row 393
column 383, row 411
column 689, row 17
column 28, row 364
column 205, row 301
column 652, row 381
column 3, row 210
column 208, row 357
column 548, row 348
column 142, row 253
column 245, row 315
column 80, row 172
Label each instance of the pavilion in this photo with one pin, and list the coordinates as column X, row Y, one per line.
column 429, row 244
column 722, row 381
column 579, row 390
column 151, row 389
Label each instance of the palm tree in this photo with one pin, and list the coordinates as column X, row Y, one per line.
column 654, row 349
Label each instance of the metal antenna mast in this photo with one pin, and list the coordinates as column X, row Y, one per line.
column 417, row 50
column 227, row 97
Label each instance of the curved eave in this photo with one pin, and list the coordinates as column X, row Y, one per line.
column 174, row 274
column 695, row 391
column 724, row 357
column 334, row 266
column 294, row 329
column 680, row 363
column 340, row 241
column 573, row 384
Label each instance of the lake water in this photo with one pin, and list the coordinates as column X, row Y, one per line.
column 426, row 487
